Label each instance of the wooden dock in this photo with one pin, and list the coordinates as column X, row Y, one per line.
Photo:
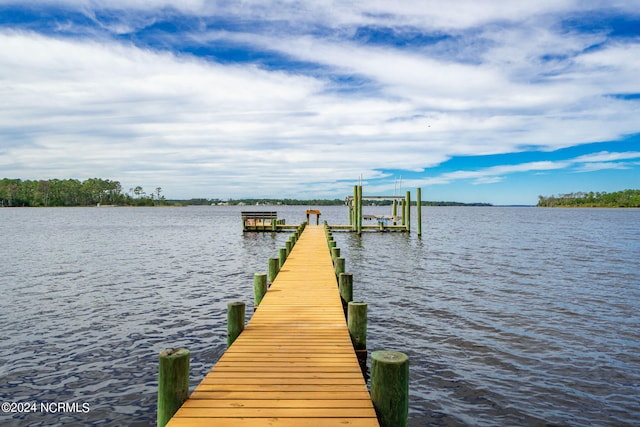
column 294, row 364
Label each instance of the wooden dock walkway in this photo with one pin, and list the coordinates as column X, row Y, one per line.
column 294, row 364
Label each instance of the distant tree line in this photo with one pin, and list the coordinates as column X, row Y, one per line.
column 287, row 202
column 94, row 191
column 452, row 204
column 72, row 192
column 322, row 202
column 618, row 199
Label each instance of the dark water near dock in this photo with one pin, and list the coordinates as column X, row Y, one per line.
column 510, row 316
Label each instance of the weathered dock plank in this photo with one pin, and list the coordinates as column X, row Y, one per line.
column 294, row 363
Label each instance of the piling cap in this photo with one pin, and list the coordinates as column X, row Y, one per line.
column 360, row 303
column 174, row 352
column 389, row 357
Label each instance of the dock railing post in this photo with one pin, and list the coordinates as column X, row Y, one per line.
column 357, row 324
column 274, row 268
column 259, row 288
column 339, row 266
column 335, row 253
column 345, row 285
column 235, row 321
column 390, row 387
column 173, row 382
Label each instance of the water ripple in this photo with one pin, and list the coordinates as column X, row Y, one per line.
column 525, row 317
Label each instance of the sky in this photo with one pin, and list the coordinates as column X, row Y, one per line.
column 493, row 101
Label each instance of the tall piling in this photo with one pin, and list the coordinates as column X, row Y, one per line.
column 359, row 210
column 354, row 211
column 395, row 211
column 419, row 209
column 408, row 207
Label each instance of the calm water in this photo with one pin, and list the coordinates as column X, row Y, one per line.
column 510, row 316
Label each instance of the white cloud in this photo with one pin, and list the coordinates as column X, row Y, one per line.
column 599, row 166
column 85, row 108
column 494, row 174
column 82, row 108
column 606, row 156
column 493, row 97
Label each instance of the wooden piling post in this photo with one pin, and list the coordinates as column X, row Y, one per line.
column 345, row 285
column 357, row 324
column 235, row 321
column 282, row 257
column 335, row 253
column 354, row 211
column 419, row 209
column 408, row 220
column 274, row 268
column 390, row 387
column 359, row 210
column 173, row 382
column 339, row 266
column 259, row 288
column 395, row 211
